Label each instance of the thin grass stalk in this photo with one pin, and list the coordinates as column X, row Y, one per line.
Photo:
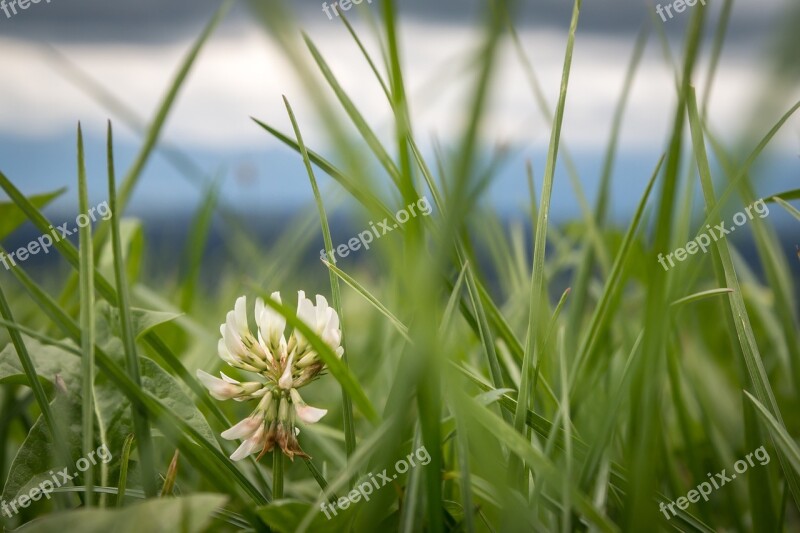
column 87, row 326
column 141, row 424
column 336, row 293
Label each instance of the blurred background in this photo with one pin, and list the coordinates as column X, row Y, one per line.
column 90, row 60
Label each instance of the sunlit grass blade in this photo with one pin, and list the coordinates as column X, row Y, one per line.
column 600, row 317
column 696, row 297
column 714, row 213
column 789, row 207
column 365, row 197
column 520, row 446
column 171, row 477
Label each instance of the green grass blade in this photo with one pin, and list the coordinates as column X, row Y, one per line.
column 87, row 325
column 537, row 292
column 787, row 196
column 789, row 207
column 713, row 214
column 396, row 322
column 336, row 294
column 783, row 440
column 600, row 317
column 696, row 297
column 124, row 463
column 744, row 330
column 154, row 131
column 140, row 422
column 358, row 120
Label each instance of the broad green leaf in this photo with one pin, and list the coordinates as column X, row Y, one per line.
column 48, row 360
column 12, row 217
column 109, row 331
column 284, row 516
column 36, row 456
column 187, row 514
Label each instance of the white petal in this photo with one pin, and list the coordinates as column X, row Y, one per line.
column 305, row 310
column 306, row 413
column 232, row 339
column 286, row 378
column 271, row 323
column 219, row 389
column 224, row 354
column 251, row 445
column 241, row 314
column 228, row 379
column 259, row 306
column 244, row 429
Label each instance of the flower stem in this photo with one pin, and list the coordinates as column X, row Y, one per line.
column 277, row 474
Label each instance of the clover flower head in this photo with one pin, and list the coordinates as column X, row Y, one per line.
column 282, row 366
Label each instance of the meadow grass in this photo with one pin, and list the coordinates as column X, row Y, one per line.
column 591, row 408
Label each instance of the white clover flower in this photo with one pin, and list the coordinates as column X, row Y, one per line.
column 284, row 367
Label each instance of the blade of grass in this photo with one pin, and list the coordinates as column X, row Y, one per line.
column 399, row 326
column 141, row 424
column 172, row 474
column 788, row 195
column 358, row 120
column 154, row 131
column 336, row 294
column 124, row 463
column 744, row 330
column 789, row 207
column 34, row 383
column 698, row 296
column 87, row 326
column 783, row 440
column 537, row 291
